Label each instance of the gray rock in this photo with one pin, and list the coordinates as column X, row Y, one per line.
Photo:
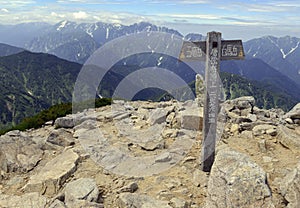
column 152, row 145
column 179, row 203
column 289, row 138
column 262, row 145
column 18, row 153
column 290, row 188
column 32, row 200
column 87, row 124
column 192, row 119
column 83, row 189
column 294, row 113
column 61, row 137
column 157, row 116
column 64, row 122
column 54, row 174
column 129, row 200
column 264, row 129
column 199, row 178
column 131, row 187
column 236, row 181
column 165, row 157
column 57, row 204
column 240, row 103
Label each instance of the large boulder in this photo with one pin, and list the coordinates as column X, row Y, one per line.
column 289, row 138
column 53, row 175
column 236, row 181
column 82, row 191
column 32, row 200
column 61, row 137
column 64, row 122
column 240, row 103
column 157, row 116
column 18, row 153
column 294, row 114
column 290, row 188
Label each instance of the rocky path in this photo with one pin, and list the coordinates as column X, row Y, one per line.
column 144, row 154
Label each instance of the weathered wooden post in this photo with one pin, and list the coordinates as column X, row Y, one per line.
column 211, row 100
column 213, row 50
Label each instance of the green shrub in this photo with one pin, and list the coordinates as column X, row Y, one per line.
column 50, row 114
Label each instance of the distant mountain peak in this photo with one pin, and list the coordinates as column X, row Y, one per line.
column 64, row 24
column 194, row 37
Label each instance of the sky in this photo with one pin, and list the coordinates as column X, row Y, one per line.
column 243, row 19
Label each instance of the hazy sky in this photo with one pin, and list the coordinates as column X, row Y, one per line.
column 235, row 19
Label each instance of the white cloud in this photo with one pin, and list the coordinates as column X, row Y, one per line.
column 4, row 10
column 99, row 2
column 16, row 3
column 54, row 14
column 80, row 15
column 191, row 16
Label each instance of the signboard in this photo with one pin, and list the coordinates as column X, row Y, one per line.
column 195, row 51
column 213, row 50
column 232, row 50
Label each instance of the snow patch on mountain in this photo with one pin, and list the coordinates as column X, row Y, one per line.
column 284, row 55
column 62, row 25
column 107, row 33
column 291, row 51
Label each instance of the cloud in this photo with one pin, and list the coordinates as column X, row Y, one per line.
column 178, row 1
column 16, row 3
column 4, row 10
column 264, row 7
column 180, row 20
column 54, row 14
column 96, row 2
column 191, row 16
column 80, row 15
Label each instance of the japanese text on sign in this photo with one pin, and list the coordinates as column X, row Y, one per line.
column 229, row 50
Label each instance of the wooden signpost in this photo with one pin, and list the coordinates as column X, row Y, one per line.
column 212, row 51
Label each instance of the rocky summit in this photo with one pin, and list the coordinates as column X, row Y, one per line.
column 146, row 154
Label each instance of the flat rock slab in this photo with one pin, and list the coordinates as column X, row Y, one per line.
column 83, row 189
column 32, row 200
column 52, row 176
column 289, row 138
column 129, row 200
column 236, row 181
column 290, row 188
column 18, row 153
column 294, row 113
column 157, row 116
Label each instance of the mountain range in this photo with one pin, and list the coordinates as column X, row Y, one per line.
column 76, row 42
column 31, row 82
column 35, row 81
column 281, row 53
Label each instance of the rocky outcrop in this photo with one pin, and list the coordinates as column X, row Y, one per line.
column 289, row 138
column 54, row 174
column 18, row 152
column 32, row 200
column 293, row 115
column 146, row 154
column 236, row 181
column 128, row 200
column 82, row 191
column 290, row 188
